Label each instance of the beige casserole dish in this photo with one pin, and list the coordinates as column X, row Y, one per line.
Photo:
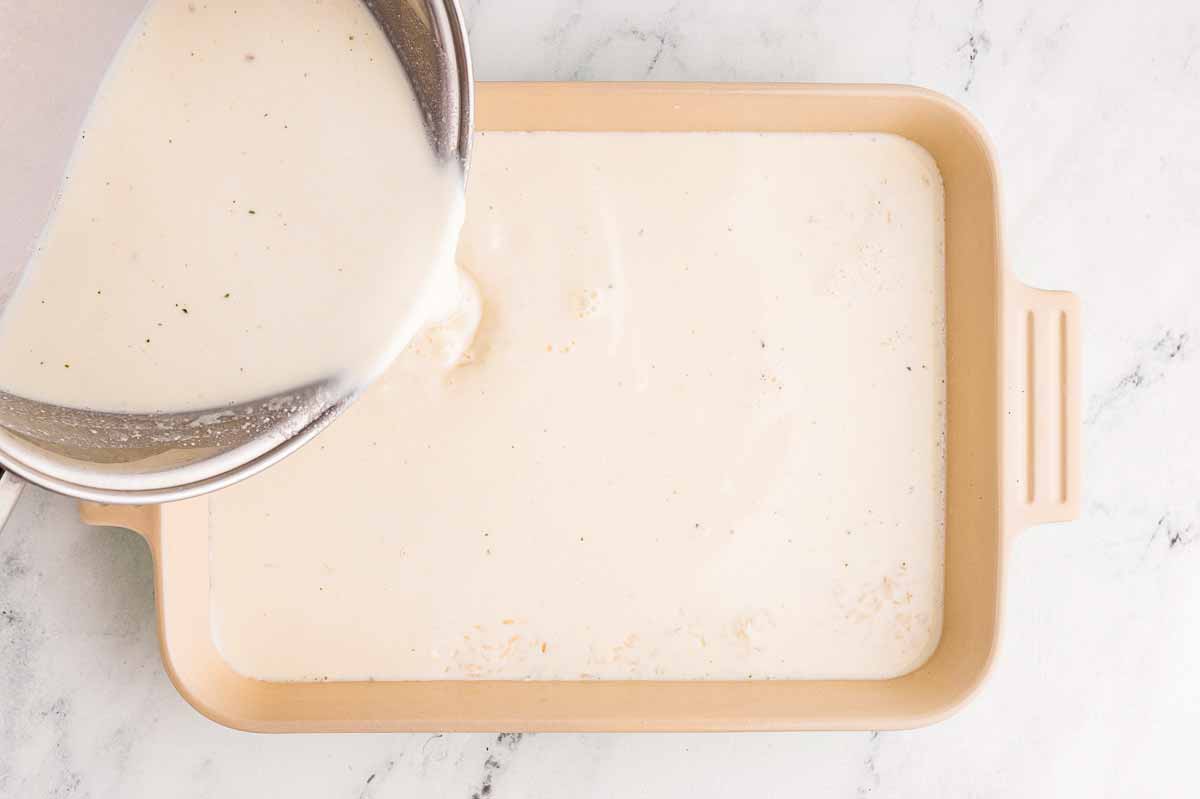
column 1013, row 461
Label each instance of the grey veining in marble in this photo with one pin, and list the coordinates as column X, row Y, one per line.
column 1094, row 111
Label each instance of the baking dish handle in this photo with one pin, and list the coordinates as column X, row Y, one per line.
column 1044, row 392
column 10, row 492
column 138, row 518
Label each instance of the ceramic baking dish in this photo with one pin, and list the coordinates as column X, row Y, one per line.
column 1013, row 460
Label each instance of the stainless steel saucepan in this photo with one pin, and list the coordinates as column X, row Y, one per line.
column 147, row 458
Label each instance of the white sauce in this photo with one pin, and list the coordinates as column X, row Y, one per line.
column 252, row 206
column 700, row 433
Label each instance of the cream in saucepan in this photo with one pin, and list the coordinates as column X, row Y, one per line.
column 252, row 206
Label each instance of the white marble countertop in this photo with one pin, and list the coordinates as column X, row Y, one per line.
column 1094, row 110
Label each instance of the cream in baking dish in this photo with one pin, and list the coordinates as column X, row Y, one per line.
column 699, row 434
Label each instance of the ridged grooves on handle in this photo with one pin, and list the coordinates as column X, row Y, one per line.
column 1052, row 405
column 1030, row 409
